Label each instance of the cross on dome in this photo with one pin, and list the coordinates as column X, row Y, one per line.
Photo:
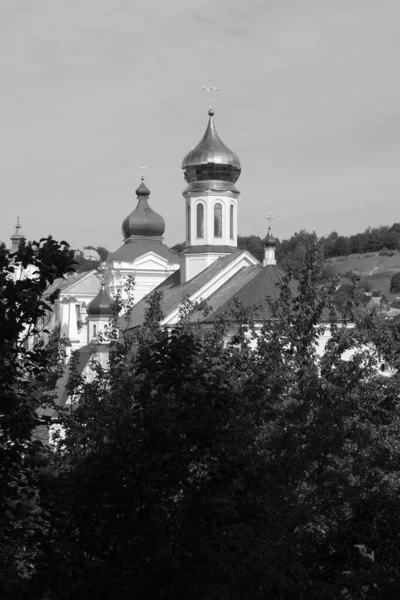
column 142, row 168
column 210, row 90
column 270, row 218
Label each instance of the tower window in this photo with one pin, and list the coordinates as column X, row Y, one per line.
column 218, row 220
column 231, row 221
column 188, row 222
column 200, row 221
column 94, row 330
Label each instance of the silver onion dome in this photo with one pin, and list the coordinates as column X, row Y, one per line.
column 211, row 161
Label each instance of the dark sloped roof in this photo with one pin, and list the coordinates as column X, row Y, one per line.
column 174, row 292
column 263, row 284
column 229, row 290
column 133, row 249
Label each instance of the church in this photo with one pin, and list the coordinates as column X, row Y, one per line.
column 210, row 267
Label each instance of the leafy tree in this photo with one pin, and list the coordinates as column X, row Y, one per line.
column 28, row 373
column 252, row 243
column 253, row 469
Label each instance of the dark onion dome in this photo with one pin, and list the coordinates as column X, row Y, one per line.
column 143, row 221
column 211, row 160
column 101, row 305
column 269, row 240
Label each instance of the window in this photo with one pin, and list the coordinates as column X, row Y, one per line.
column 218, row 220
column 94, row 330
column 200, row 221
column 231, row 221
column 188, row 222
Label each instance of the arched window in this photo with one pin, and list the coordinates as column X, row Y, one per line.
column 200, row 221
column 231, row 221
column 218, row 220
column 188, row 222
column 94, row 330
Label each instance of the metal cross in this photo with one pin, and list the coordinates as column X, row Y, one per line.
column 18, row 226
column 269, row 218
column 142, row 168
column 210, row 90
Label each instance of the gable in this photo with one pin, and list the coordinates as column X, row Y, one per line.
column 76, row 283
column 150, row 262
column 201, row 286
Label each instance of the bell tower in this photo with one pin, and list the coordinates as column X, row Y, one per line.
column 211, row 170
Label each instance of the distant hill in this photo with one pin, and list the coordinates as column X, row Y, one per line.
column 376, row 269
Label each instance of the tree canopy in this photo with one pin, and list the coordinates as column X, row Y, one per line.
column 192, row 467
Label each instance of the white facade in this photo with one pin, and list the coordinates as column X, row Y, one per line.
column 202, row 219
column 148, row 272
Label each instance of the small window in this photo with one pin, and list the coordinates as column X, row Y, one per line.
column 94, row 330
column 231, row 221
column 200, row 221
column 188, row 222
column 218, row 220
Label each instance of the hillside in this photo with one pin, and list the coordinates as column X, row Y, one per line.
column 376, row 269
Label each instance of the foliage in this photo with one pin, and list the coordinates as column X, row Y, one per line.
column 88, row 264
column 28, row 373
column 383, row 238
column 253, row 244
column 178, row 247
column 253, row 469
column 395, row 283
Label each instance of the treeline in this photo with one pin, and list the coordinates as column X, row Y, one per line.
column 372, row 239
column 291, row 253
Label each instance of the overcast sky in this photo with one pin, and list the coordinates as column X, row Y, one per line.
column 309, row 100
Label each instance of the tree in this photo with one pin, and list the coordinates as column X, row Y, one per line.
column 178, row 247
column 253, row 469
column 395, row 283
column 28, row 373
column 253, row 244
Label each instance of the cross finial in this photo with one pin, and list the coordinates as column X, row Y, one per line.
column 142, row 168
column 270, row 218
column 210, row 90
column 18, row 226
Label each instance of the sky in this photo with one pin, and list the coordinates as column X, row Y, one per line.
column 309, row 99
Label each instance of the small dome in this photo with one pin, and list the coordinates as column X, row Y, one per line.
column 101, row 305
column 211, row 160
column 269, row 240
column 143, row 221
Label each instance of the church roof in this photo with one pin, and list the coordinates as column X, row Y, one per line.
column 263, row 283
column 143, row 221
column 101, row 305
column 211, row 161
column 174, row 292
column 251, row 286
column 72, row 280
column 133, row 248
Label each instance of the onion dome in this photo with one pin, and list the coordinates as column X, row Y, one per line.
column 143, row 221
column 101, row 305
column 269, row 240
column 212, row 161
